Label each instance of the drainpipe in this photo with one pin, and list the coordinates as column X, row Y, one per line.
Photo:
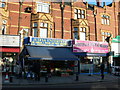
column 19, row 18
column 95, row 13
column 62, row 6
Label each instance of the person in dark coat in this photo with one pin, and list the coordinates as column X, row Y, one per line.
column 49, row 71
column 102, row 70
column 36, row 70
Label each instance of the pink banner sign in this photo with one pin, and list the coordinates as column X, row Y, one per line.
column 90, row 46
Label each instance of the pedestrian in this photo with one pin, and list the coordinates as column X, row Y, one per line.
column 102, row 70
column 48, row 71
column 18, row 70
column 36, row 70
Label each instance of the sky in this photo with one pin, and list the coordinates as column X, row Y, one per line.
column 94, row 1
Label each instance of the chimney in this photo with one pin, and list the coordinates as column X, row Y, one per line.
column 98, row 2
column 104, row 4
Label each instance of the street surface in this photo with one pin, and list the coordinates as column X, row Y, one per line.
column 91, row 86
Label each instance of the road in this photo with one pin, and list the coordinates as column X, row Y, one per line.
column 91, row 86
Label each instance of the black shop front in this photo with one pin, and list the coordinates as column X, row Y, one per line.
column 60, row 60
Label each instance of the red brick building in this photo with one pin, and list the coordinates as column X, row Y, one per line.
column 78, row 20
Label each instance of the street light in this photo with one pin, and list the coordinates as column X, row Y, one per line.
column 108, row 64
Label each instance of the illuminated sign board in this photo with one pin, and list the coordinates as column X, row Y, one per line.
column 50, row 42
column 90, row 46
column 10, row 40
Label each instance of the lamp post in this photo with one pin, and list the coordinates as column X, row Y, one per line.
column 108, row 63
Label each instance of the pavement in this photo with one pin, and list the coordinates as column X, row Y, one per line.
column 83, row 78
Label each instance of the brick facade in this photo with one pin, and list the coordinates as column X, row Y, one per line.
column 54, row 18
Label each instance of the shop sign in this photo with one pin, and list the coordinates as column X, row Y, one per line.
column 10, row 40
column 90, row 46
column 50, row 42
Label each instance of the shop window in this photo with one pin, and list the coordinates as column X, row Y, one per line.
column 82, row 33
column 105, row 19
column 78, row 13
column 43, row 7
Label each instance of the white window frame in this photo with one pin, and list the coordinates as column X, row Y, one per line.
column 83, row 36
column 82, row 31
column 105, row 19
column 43, row 34
column 43, row 7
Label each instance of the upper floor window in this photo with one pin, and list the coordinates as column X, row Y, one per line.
column 35, row 24
column 76, row 33
column 2, row 3
column 105, row 19
column 35, row 32
column 43, row 7
column 45, row 25
column 82, row 33
column 79, row 13
column 105, row 35
column 43, row 30
column 79, row 33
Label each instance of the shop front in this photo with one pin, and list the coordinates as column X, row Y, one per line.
column 115, row 63
column 9, row 49
column 91, row 54
column 53, row 54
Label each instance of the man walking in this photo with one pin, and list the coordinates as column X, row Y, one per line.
column 36, row 69
column 102, row 70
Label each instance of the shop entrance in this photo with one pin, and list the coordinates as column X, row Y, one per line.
column 91, row 65
column 54, row 68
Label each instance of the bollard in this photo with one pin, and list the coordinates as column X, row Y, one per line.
column 77, row 77
column 46, row 78
column 11, row 79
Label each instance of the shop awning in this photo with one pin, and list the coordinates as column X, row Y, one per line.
column 50, row 53
column 116, row 56
column 4, row 49
column 91, row 54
